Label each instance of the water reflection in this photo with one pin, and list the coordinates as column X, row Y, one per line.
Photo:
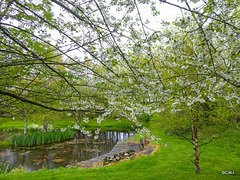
column 57, row 155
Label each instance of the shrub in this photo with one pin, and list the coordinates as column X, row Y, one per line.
column 39, row 127
column 19, row 169
column 145, row 118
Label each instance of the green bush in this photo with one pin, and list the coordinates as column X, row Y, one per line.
column 145, row 118
column 39, row 138
column 36, row 127
column 19, row 169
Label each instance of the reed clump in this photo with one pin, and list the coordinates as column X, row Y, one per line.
column 40, row 138
column 4, row 168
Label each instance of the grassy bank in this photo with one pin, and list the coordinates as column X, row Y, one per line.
column 64, row 122
column 10, row 128
column 169, row 162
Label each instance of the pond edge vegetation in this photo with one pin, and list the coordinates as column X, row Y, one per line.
column 40, row 138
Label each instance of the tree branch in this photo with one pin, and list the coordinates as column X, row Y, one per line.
column 5, row 93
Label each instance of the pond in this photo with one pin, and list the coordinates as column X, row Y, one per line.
column 57, row 155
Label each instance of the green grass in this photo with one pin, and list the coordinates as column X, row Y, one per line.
column 64, row 122
column 4, row 144
column 8, row 123
column 170, row 162
column 110, row 125
column 11, row 128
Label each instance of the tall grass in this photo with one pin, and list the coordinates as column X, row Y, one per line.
column 39, row 138
column 4, row 168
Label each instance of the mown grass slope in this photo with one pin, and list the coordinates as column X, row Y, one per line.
column 169, row 162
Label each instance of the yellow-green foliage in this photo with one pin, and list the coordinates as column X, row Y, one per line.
column 5, row 143
column 19, row 169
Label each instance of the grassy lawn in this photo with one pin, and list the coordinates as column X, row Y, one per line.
column 169, row 162
column 110, row 125
column 63, row 122
column 7, row 125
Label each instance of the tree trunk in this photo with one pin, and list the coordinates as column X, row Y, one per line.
column 195, row 143
column 195, row 150
column 45, row 126
column 25, row 125
column 79, row 114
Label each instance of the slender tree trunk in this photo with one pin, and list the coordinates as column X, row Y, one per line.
column 195, row 150
column 25, row 124
column 45, row 126
column 195, row 144
column 79, row 114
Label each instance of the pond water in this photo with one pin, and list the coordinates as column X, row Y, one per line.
column 57, row 155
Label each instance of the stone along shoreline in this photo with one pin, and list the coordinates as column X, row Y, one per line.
column 121, row 147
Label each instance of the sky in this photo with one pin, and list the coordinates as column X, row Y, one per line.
column 167, row 13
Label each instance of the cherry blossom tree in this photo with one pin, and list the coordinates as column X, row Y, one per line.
column 113, row 61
